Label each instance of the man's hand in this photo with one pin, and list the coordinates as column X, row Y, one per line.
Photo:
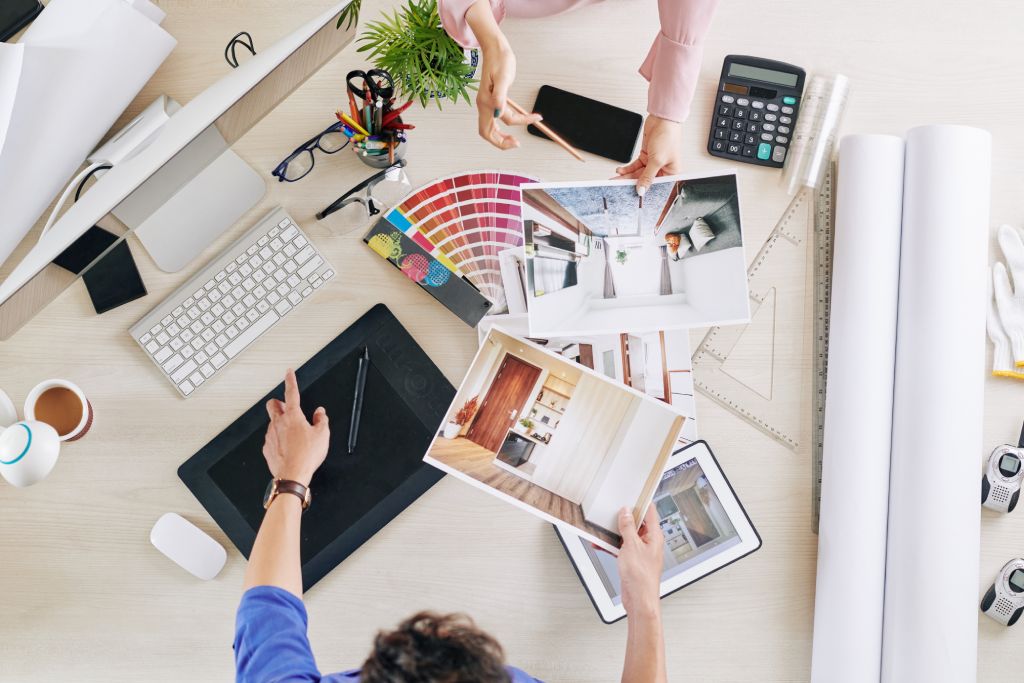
column 660, row 154
column 294, row 448
column 640, row 563
column 496, row 77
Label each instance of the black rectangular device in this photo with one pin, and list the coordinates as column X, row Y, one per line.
column 16, row 15
column 356, row 494
column 756, row 107
column 589, row 125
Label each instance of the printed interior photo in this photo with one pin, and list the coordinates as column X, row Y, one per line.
column 599, row 258
column 559, row 439
column 655, row 363
column 695, row 525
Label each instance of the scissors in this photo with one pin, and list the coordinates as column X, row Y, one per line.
column 376, row 83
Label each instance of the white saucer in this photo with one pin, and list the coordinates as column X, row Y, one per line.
column 8, row 413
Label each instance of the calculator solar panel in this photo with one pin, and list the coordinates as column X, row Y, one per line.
column 756, row 108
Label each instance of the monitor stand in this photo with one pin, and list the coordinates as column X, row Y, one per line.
column 191, row 201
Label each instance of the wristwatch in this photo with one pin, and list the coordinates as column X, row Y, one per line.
column 277, row 486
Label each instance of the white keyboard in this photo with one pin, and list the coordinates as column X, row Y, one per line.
column 241, row 294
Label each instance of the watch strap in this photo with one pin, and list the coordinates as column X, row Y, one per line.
column 294, row 487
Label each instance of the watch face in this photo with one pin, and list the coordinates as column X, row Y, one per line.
column 268, row 493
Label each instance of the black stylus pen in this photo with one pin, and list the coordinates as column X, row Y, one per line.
column 357, row 403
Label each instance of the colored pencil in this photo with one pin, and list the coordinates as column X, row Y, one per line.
column 555, row 137
column 352, row 122
column 352, row 104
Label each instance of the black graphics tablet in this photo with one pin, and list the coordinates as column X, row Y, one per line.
column 354, row 496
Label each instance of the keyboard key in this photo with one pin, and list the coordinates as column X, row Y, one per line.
column 283, row 307
column 210, row 349
column 263, row 306
column 781, row 139
column 194, row 313
column 221, row 340
column 739, row 125
column 156, row 328
column 243, row 340
column 152, row 347
column 284, row 223
column 231, row 332
column 289, row 232
column 207, row 371
column 232, row 267
column 186, row 388
column 328, row 274
column 276, row 244
column 215, row 296
column 754, row 116
column 720, row 134
column 229, row 317
column 197, row 344
column 279, row 259
column 784, row 130
column 280, row 276
column 307, row 291
column 772, row 107
column 779, row 154
column 268, row 268
column 228, row 301
column 263, row 243
column 768, row 127
column 293, row 281
column 189, row 302
column 290, row 267
column 204, row 304
column 785, row 119
column 259, row 275
column 187, row 351
column 242, row 323
column 252, row 316
column 300, row 242
column 757, row 104
column 176, row 344
column 252, row 250
column 218, row 326
column 163, row 354
column 210, row 285
column 145, row 338
column 196, row 378
column 735, row 136
column 246, row 271
column 764, row 150
column 770, row 117
column 248, row 284
column 248, row 301
column 309, row 267
column 220, row 276
column 290, row 249
column 208, row 335
column 207, row 320
column 197, row 327
column 241, row 258
column 224, row 287
column 734, row 149
column 742, row 102
column 162, row 338
column 184, row 371
column 728, row 99
column 724, row 110
column 217, row 310
column 177, row 311
column 316, row 282
column 748, row 151
column 751, row 139
column 753, row 127
column 273, row 298
column 274, row 232
column 259, row 292
column 202, row 357
column 305, row 254
column 787, row 110
column 172, row 363
column 722, row 122
column 173, row 330
column 767, row 137
column 187, row 336
column 739, row 113
column 295, row 298
column 166, row 321
column 265, row 253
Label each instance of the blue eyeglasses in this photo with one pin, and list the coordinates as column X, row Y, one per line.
column 299, row 163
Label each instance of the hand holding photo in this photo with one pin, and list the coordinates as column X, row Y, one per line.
column 600, row 258
column 603, row 447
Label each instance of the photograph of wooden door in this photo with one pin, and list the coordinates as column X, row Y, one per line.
column 509, row 391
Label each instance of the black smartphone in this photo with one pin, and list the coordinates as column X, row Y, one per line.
column 114, row 280
column 16, row 15
column 589, row 125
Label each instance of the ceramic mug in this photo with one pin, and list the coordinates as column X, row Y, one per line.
column 62, row 405
column 28, row 451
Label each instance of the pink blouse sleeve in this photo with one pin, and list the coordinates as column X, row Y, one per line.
column 673, row 64
column 453, row 14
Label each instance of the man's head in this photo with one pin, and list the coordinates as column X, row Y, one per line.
column 434, row 648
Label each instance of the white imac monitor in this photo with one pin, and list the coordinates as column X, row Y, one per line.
column 193, row 140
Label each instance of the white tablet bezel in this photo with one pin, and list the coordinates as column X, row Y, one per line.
column 749, row 538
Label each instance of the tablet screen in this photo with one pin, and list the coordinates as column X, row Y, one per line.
column 693, row 520
column 390, row 445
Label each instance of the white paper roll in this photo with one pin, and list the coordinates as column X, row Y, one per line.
column 858, row 411
column 930, row 628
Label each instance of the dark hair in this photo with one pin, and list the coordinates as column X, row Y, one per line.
column 435, row 648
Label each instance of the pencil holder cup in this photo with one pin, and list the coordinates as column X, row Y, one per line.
column 381, row 160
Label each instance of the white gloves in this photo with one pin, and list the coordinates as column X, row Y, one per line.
column 1006, row 311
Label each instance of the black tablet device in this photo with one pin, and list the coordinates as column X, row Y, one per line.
column 354, row 495
column 587, row 124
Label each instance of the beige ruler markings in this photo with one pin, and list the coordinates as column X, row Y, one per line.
column 824, row 212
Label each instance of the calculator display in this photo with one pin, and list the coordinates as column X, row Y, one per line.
column 767, row 75
column 736, row 88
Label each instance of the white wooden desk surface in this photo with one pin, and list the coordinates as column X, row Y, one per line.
column 85, row 597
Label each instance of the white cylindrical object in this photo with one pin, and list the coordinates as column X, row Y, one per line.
column 930, row 630
column 858, row 411
column 28, row 451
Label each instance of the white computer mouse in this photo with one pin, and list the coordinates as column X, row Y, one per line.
column 188, row 546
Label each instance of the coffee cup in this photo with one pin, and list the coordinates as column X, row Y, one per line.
column 62, row 405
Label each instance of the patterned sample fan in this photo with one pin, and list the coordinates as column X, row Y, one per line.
column 465, row 221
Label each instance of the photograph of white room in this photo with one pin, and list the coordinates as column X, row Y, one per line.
column 600, row 258
column 566, row 442
column 656, row 363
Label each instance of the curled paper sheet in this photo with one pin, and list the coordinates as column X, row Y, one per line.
column 903, row 411
column 62, row 87
column 821, row 111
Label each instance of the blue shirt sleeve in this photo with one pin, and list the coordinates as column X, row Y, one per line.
column 270, row 639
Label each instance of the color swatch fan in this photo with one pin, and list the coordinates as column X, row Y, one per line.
column 465, row 221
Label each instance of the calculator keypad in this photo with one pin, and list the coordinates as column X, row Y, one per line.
column 752, row 129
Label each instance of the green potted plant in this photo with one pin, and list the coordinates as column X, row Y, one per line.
column 527, row 423
column 411, row 44
column 621, row 255
column 465, row 414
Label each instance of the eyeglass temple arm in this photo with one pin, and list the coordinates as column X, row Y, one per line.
column 340, row 201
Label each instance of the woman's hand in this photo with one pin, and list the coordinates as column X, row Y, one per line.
column 294, row 448
column 640, row 563
column 660, row 154
column 496, row 77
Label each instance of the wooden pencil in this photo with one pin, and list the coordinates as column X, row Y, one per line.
column 555, row 137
